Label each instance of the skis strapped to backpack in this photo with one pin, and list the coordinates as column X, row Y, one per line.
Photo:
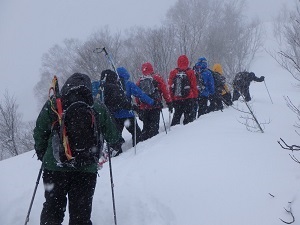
column 76, row 141
column 59, row 112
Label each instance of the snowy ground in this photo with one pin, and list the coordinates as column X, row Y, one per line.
column 210, row 172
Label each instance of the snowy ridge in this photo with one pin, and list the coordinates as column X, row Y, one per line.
column 212, row 171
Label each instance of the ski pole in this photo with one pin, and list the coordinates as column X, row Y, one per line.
column 112, row 185
column 268, row 91
column 134, row 134
column 170, row 120
column 163, row 120
column 99, row 50
column 33, row 196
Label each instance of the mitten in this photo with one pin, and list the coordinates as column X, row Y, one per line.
column 157, row 104
column 170, row 106
column 135, row 108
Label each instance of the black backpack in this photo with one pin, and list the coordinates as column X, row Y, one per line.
column 78, row 125
column 219, row 80
column 200, row 82
column 148, row 85
column 239, row 79
column 181, row 84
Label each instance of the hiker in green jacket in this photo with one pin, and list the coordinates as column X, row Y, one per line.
column 76, row 176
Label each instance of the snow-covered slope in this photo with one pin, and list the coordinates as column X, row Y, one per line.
column 212, row 171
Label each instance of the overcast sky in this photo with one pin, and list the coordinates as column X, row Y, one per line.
column 28, row 28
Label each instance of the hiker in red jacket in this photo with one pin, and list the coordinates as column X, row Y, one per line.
column 183, row 90
column 153, row 85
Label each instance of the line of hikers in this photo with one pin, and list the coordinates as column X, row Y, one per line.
column 73, row 124
column 191, row 92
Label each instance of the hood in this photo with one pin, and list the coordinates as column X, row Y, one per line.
column 218, row 68
column 147, row 69
column 76, row 81
column 78, row 87
column 202, row 63
column 123, row 73
column 183, row 62
column 109, row 76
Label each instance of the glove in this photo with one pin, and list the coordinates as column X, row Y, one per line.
column 157, row 104
column 135, row 108
column 40, row 155
column 262, row 78
column 170, row 106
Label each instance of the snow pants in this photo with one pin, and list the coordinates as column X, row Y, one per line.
column 78, row 186
column 245, row 92
column 202, row 105
column 120, row 125
column 186, row 108
column 151, row 118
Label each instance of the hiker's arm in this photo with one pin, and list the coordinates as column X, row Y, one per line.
column 138, row 93
column 42, row 131
column 193, row 80
column 107, row 124
column 164, row 89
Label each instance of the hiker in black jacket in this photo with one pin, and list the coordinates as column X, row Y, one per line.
column 115, row 100
column 241, row 84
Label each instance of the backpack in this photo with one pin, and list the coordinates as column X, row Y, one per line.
column 239, row 79
column 147, row 85
column 219, row 80
column 181, row 84
column 200, row 82
column 78, row 131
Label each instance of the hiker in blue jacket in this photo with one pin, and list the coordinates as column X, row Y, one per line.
column 124, row 115
column 208, row 90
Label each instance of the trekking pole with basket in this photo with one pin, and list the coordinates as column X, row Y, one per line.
column 163, row 120
column 112, row 185
column 33, row 196
column 134, row 118
column 268, row 91
column 170, row 120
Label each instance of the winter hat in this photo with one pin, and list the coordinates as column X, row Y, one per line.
column 202, row 63
column 218, row 68
column 109, row 76
column 147, row 69
column 183, row 62
column 123, row 73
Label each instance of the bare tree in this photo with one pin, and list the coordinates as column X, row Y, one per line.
column 74, row 56
column 190, row 21
column 153, row 45
column 217, row 30
column 240, row 39
column 14, row 138
column 249, row 118
column 287, row 32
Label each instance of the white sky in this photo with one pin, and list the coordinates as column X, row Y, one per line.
column 28, row 28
